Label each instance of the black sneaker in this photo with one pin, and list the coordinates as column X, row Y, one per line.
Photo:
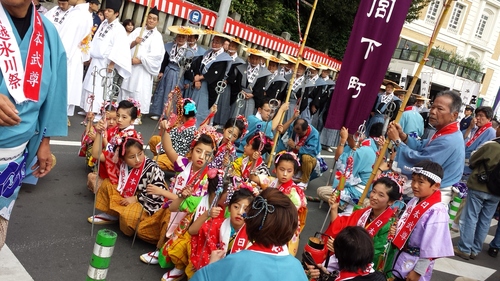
column 493, row 252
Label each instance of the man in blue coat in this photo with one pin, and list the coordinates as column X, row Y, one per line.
column 303, row 140
column 446, row 147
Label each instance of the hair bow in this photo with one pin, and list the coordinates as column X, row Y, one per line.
column 190, row 106
column 395, row 177
column 295, row 157
column 136, row 104
column 245, row 123
column 261, row 205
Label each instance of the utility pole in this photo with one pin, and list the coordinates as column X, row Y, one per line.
column 222, row 15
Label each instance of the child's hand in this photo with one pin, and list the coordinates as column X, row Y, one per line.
column 226, row 161
column 412, row 276
column 312, row 272
column 333, row 202
column 90, row 115
column 186, row 192
column 393, row 229
column 164, row 124
column 100, row 126
column 215, row 212
column 329, row 244
column 216, row 255
column 255, row 155
column 92, row 134
column 213, row 109
column 128, row 201
column 153, row 189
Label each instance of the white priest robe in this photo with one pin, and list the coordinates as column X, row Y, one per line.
column 57, row 16
column 139, row 85
column 73, row 30
column 110, row 43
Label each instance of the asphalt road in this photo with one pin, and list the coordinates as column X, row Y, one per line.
column 51, row 237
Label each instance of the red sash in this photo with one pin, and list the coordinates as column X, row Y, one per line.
column 347, row 275
column 411, row 217
column 300, row 141
column 409, row 108
column 373, row 227
column 446, row 130
column 246, row 172
column 286, row 188
column 366, row 142
column 194, row 180
column 479, row 132
column 189, row 123
column 240, row 241
column 23, row 83
column 112, row 168
column 273, row 250
column 131, row 181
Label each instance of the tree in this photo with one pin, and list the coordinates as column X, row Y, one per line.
column 330, row 28
column 333, row 21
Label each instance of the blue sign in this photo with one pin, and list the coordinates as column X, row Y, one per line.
column 195, row 17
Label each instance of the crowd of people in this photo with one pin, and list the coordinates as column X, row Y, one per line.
column 214, row 195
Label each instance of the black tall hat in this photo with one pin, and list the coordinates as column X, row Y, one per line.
column 154, row 11
column 114, row 4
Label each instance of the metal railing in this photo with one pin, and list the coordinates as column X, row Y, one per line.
column 439, row 63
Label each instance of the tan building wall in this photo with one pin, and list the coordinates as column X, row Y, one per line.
column 423, row 12
column 496, row 52
column 410, row 34
column 486, row 81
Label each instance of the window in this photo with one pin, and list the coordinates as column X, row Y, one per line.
column 481, row 26
column 433, row 11
column 455, row 17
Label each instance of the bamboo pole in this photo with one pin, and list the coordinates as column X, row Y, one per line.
column 407, row 96
column 290, row 84
column 144, row 21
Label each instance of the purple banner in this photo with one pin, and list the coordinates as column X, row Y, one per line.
column 373, row 40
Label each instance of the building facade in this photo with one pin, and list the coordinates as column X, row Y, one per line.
column 470, row 30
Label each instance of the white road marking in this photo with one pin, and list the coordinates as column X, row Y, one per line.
column 65, row 143
column 461, row 268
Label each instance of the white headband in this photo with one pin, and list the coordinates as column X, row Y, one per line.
column 420, row 170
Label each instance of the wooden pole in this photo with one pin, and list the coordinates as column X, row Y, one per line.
column 290, row 84
column 143, row 27
column 407, row 96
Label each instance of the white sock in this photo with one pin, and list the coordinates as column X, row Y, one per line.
column 107, row 216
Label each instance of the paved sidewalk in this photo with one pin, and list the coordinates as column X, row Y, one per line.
column 11, row 268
